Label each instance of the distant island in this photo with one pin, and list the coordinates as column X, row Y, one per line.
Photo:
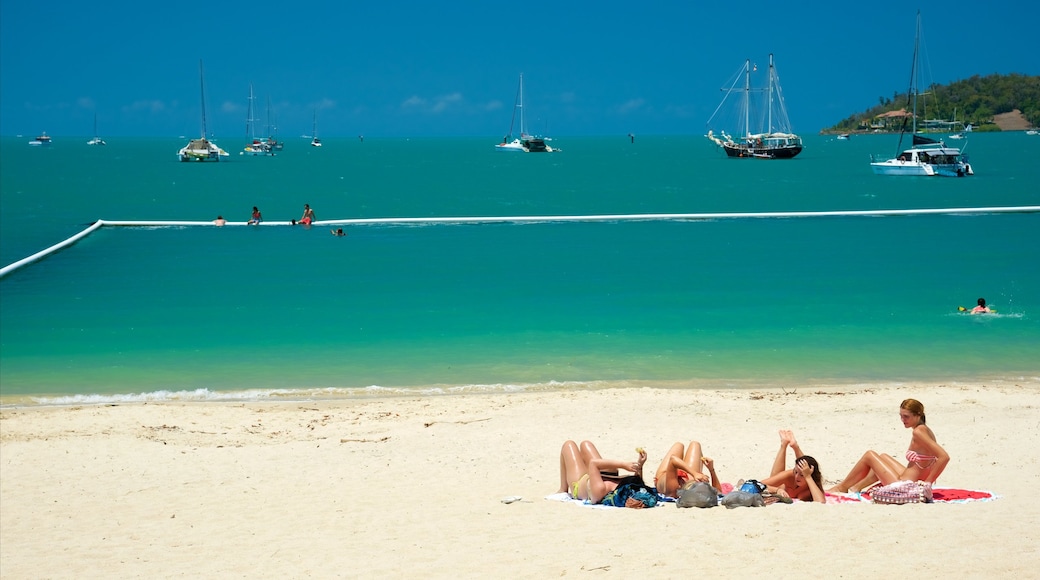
column 990, row 103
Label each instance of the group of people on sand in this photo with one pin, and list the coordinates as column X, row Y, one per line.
column 586, row 475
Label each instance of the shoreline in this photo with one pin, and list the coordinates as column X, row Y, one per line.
column 333, row 394
column 414, row 485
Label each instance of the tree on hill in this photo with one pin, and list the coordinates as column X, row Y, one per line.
column 975, row 100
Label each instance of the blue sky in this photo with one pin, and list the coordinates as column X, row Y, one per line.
column 417, row 68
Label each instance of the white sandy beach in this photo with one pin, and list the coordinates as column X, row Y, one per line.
column 412, row 486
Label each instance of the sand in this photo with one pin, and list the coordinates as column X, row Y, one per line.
column 412, row 486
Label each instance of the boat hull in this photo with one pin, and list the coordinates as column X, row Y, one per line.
column 939, row 161
column 744, row 151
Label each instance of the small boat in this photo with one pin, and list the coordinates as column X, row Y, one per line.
column 255, row 146
column 315, row 142
column 272, row 141
column 96, row 140
column 525, row 142
column 774, row 139
column 201, row 149
column 926, row 156
column 1032, row 132
column 843, row 137
column 43, row 140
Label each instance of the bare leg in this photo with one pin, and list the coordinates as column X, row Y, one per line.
column 665, row 479
column 572, row 467
column 780, row 462
column 871, row 461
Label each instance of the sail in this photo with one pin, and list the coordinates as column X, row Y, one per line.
column 922, row 140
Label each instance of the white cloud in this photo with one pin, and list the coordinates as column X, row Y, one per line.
column 446, row 101
column 152, row 106
column 413, row 101
column 631, row 106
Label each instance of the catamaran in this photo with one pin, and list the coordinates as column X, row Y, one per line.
column 315, row 142
column 526, row 143
column 926, row 156
column 774, row 140
column 96, row 140
column 201, row 149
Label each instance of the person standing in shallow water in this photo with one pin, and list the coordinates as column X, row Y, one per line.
column 926, row 459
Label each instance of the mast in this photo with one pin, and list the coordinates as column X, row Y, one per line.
column 523, row 127
column 250, row 129
column 914, row 72
column 747, row 98
column 202, row 97
column 769, row 115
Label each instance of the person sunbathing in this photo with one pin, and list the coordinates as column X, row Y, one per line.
column 584, row 474
column 679, row 468
column 926, row 459
column 803, row 481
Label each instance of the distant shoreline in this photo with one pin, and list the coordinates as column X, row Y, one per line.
column 1012, row 121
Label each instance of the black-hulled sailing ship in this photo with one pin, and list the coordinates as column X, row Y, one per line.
column 759, row 115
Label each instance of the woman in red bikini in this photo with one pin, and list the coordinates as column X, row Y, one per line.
column 926, row 459
column 582, row 471
column 679, row 467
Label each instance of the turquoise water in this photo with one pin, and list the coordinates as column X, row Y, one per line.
column 253, row 312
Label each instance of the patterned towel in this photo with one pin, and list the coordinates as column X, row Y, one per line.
column 939, row 495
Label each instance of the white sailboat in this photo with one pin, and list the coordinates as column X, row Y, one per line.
column 315, row 141
column 926, row 156
column 774, row 140
column 272, row 131
column 201, row 149
column 96, row 140
column 526, row 143
column 255, row 146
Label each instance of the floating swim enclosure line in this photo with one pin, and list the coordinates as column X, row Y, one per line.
column 521, row 219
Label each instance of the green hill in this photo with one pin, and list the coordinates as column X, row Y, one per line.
column 976, row 100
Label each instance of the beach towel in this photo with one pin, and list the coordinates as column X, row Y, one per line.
column 566, row 498
column 939, row 495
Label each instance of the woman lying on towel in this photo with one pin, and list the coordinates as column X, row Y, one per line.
column 584, row 474
column 677, row 468
column 803, row 481
column 926, row 459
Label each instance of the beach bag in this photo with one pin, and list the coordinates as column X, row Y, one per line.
column 741, row 498
column 697, row 494
column 631, row 492
column 902, row 492
column 753, row 486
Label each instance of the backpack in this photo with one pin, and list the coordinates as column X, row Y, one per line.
column 631, row 488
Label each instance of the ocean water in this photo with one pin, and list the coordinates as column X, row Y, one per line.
column 279, row 311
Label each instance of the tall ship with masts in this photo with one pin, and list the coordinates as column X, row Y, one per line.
column 763, row 129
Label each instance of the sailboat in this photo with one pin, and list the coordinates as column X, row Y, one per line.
column 272, row 141
column 96, row 140
column 201, row 149
column 315, row 142
column 526, row 143
column 255, row 146
column 926, row 156
column 774, row 140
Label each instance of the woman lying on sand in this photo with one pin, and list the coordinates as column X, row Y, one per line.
column 678, row 468
column 926, row 458
column 582, row 471
column 802, row 482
